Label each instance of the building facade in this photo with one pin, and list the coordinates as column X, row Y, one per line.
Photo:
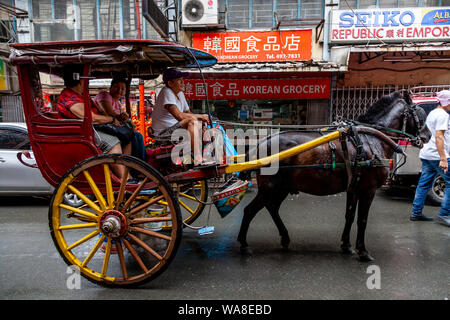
column 389, row 45
column 356, row 51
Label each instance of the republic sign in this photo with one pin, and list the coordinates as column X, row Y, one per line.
column 390, row 25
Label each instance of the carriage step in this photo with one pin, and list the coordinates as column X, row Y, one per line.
column 206, row 230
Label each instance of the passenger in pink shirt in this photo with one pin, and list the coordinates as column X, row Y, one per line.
column 109, row 101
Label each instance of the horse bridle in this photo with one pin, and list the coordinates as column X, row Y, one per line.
column 411, row 110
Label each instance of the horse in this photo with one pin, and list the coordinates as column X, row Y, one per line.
column 394, row 114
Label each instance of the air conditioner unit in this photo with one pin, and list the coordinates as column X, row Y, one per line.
column 199, row 13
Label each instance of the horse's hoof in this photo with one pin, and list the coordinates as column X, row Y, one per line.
column 365, row 257
column 246, row 251
column 347, row 250
column 285, row 243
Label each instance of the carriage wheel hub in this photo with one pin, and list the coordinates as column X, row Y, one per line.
column 113, row 224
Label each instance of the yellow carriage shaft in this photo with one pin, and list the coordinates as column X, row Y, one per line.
column 254, row 164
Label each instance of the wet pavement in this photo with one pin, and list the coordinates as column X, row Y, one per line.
column 411, row 258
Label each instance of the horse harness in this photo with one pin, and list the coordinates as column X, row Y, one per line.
column 349, row 133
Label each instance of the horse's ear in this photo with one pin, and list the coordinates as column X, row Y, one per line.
column 407, row 97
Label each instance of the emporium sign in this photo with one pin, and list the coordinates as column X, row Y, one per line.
column 233, row 89
column 394, row 25
column 285, row 45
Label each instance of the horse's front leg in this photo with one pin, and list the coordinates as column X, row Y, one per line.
column 352, row 201
column 365, row 201
column 249, row 213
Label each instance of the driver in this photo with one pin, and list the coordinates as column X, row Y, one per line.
column 171, row 111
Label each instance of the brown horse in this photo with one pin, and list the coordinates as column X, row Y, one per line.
column 392, row 113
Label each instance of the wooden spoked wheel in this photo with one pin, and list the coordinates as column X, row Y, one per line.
column 112, row 240
column 192, row 197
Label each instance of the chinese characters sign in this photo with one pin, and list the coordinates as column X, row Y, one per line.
column 232, row 89
column 399, row 24
column 286, row 45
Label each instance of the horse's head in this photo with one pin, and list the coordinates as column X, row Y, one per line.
column 400, row 117
column 414, row 124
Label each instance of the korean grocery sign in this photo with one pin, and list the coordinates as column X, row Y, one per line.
column 394, row 25
column 285, row 45
column 233, row 89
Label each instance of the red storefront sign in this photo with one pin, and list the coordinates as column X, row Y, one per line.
column 262, row 89
column 285, row 45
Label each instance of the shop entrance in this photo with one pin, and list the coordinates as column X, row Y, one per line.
column 273, row 112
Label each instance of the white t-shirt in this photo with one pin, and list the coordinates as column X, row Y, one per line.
column 161, row 117
column 438, row 119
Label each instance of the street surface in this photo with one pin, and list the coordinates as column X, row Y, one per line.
column 411, row 258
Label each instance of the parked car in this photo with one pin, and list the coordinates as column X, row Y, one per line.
column 17, row 179
column 408, row 174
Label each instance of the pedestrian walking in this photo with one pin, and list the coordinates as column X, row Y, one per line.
column 435, row 158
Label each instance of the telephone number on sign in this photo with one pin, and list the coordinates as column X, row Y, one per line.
column 288, row 56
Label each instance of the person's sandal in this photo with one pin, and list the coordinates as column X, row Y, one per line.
column 205, row 164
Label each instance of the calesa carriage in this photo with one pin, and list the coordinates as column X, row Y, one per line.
column 118, row 214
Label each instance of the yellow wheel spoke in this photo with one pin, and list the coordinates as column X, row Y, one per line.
column 187, row 196
column 164, row 203
column 93, row 251
column 106, row 258
column 95, row 189
column 88, row 201
column 84, row 239
column 84, row 213
column 78, row 226
column 109, row 189
column 185, row 206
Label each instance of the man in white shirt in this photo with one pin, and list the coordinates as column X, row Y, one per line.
column 171, row 111
column 435, row 158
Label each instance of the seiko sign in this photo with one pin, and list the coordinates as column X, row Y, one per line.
column 394, row 25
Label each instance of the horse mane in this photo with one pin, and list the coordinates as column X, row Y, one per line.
column 379, row 108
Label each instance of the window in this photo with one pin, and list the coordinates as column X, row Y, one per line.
column 287, row 9
column 311, row 9
column 259, row 14
column 53, row 22
column 11, row 139
column 434, row 3
column 364, row 4
column 238, row 13
column 262, row 14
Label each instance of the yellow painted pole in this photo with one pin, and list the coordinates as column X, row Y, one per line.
column 254, row 164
